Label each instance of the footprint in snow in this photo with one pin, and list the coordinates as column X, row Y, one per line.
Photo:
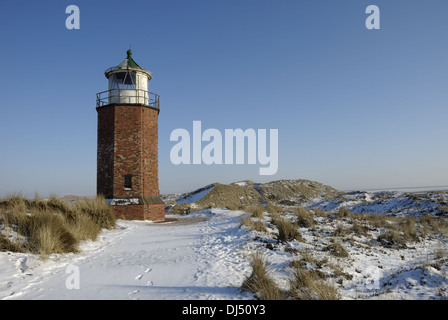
column 21, row 264
column 134, row 292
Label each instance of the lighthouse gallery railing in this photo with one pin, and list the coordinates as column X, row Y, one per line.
column 128, row 96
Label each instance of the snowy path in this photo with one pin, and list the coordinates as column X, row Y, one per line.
column 200, row 257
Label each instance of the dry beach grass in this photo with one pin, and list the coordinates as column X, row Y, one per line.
column 325, row 248
column 46, row 226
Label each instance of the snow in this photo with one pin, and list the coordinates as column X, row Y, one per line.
column 205, row 256
column 195, row 196
column 395, row 203
column 370, row 271
column 201, row 256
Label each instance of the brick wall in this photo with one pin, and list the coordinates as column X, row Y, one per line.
column 128, row 145
column 105, row 152
column 155, row 212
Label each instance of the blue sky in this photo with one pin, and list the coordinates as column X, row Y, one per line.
column 355, row 108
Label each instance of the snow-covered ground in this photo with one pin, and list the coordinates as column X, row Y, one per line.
column 394, row 203
column 199, row 257
column 417, row 271
column 195, row 196
column 205, row 255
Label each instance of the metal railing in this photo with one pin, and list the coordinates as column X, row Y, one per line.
column 128, row 96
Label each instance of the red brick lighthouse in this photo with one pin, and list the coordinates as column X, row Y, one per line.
column 127, row 158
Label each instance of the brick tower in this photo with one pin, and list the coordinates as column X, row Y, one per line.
column 127, row 159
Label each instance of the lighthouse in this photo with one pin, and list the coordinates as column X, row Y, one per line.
column 127, row 151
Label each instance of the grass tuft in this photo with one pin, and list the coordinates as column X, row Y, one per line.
column 304, row 218
column 287, row 231
column 51, row 226
column 309, row 285
column 259, row 281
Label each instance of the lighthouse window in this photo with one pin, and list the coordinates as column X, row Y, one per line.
column 128, row 181
column 123, row 80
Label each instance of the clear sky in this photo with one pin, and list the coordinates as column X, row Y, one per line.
column 355, row 108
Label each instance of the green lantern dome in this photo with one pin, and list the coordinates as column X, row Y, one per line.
column 128, row 64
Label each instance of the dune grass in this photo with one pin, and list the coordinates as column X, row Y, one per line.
column 287, row 231
column 309, row 285
column 51, row 226
column 259, row 281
